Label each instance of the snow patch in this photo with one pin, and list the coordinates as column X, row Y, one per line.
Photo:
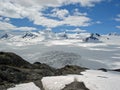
column 93, row 79
column 25, row 86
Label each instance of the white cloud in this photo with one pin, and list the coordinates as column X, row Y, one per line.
column 25, row 28
column 4, row 19
column 31, row 9
column 60, row 13
column 7, row 26
column 118, row 27
column 23, row 8
column 98, row 22
column 118, row 17
column 76, row 12
column 70, row 21
column 84, row 3
column 76, row 30
column 77, row 21
column 7, row 19
column 89, row 3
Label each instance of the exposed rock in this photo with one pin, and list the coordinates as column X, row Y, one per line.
column 92, row 38
column 11, row 59
column 39, row 84
column 5, row 36
column 29, row 34
column 75, row 86
column 70, row 69
column 118, row 70
column 103, row 69
column 9, row 76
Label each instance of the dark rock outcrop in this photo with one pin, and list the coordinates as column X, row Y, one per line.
column 118, row 70
column 29, row 34
column 11, row 59
column 4, row 36
column 12, row 75
column 103, row 69
column 76, row 86
column 70, row 69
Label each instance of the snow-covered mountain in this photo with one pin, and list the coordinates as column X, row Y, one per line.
column 31, row 38
column 29, row 35
column 49, row 35
column 6, row 36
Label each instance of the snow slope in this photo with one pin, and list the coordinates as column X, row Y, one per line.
column 25, row 86
column 93, row 79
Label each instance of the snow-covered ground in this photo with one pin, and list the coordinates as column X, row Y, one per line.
column 25, row 86
column 93, row 79
column 60, row 52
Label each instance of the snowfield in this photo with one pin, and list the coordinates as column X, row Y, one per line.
column 93, row 79
column 25, row 86
column 58, row 53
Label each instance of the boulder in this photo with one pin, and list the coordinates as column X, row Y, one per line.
column 70, row 69
column 76, row 86
column 118, row 70
column 103, row 69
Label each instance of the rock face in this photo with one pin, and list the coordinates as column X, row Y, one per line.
column 11, row 59
column 28, row 34
column 92, row 38
column 75, row 86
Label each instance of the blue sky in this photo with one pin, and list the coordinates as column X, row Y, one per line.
column 96, row 16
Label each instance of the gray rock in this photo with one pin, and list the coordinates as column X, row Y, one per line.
column 70, row 69
column 11, row 59
column 76, row 86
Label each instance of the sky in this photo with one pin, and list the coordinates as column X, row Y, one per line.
column 95, row 16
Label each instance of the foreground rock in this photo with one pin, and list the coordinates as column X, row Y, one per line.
column 118, row 70
column 76, row 86
column 15, row 70
column 70, row 69
column 11, row 59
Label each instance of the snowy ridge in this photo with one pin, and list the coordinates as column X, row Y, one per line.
column 48, row 35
